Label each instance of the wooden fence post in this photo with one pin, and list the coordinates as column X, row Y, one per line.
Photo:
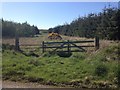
column 17, row 47
column 43, row 47
column 96, row 43
column 68, row 47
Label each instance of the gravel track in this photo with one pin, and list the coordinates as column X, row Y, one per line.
column 11, row 84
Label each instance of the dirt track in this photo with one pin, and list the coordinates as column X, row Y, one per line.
column 11, row 84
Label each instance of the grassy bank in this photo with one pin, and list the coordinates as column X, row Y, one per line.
column 89, row 70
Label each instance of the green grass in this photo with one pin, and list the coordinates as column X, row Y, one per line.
column 90, row 70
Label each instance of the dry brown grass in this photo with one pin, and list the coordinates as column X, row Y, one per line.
column 24, row 40
column 10, row 41
column 38, row 40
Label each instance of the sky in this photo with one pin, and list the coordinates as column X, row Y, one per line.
column 46, row 15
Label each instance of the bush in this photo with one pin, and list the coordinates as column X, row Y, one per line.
column 101, row 70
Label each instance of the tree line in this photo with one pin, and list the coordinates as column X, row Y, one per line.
column 104, row 24
column 10, row 29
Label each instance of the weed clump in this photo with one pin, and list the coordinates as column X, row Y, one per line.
column 48, row 54
column 35, row 62
column 31, row 53
column 79, row 55
column 7, row 46
column 101, row 70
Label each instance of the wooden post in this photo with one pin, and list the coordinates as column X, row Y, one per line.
column 43, row 47
column 68, row 47
column 96, row 43
column 17, row 47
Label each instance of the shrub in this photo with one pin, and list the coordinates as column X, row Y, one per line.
column 101, row 70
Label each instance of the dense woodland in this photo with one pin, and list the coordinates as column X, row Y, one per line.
column 105, row 25
column 10, row 28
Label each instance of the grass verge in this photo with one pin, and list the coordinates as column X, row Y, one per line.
column 86, row 70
